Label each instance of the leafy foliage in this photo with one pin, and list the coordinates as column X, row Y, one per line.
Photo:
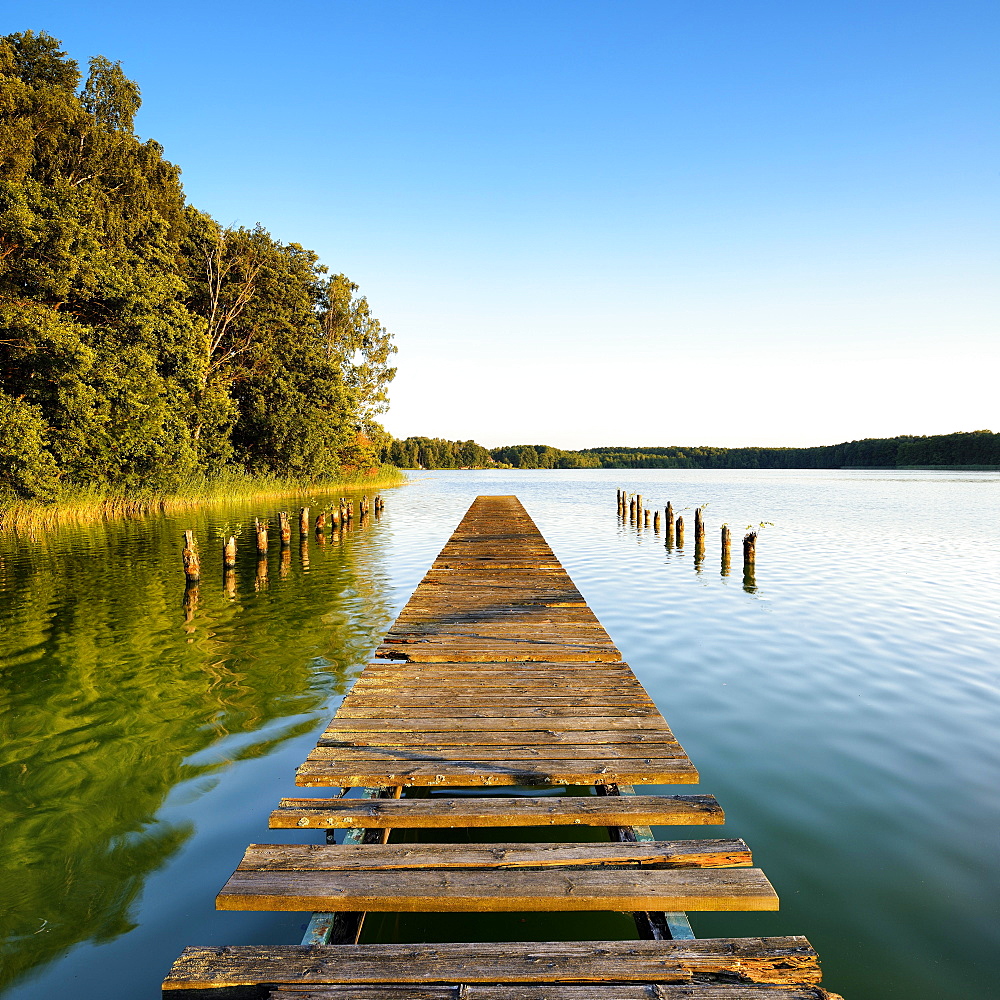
column 140, row 341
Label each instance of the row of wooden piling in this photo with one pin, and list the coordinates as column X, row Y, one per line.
column 631, row 507
column 339, row 515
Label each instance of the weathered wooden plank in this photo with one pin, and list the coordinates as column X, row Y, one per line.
column 773, row 960
column 506, row 590
column 379, row 698
column 548, row 684
column 652, row 724
column 601, row 670
column 506, row 626
column 522, row 558
column 481, row 601
column 509, row 669
column 484, row 633
column 465, row 890
column 424, row 677
column 505, row 586
column 454, row 652
column 443, row 813
column 482, row 566
column 585, row 741
column 496, row 548
column 542, row 688
column 450, row 773
column 602, row 991
column 507, row 634
column 503, row 617
column 549, row 715
column 382, row 754
column 501, row 636
column 423, row 674
column 507, row 623
column 503, row 643
column 464, row 697
column 440, row 600
column 359, row 857
column 496, row 544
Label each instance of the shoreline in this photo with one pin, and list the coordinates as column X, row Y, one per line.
column 82, row 508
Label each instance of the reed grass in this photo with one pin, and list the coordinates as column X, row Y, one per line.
column 83, row 506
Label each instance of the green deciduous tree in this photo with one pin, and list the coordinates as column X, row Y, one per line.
column 145, row 340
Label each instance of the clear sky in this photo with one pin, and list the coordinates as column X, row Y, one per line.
column 596, row 222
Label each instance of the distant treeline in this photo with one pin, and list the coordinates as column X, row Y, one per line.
column 143, row 344
column 961, row 448
column 437, row 453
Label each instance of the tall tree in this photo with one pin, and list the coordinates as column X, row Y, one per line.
column 361, row 344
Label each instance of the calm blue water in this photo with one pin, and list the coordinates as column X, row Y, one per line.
column 844, row 711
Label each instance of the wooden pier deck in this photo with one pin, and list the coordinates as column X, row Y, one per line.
column 498, row 674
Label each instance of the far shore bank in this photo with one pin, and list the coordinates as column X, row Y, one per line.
column 708, row 468
column 83, row 507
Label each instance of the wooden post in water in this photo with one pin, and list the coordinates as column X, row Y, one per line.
column 260, row 528
column 284, row 529
column 680, row 532
column 190, row 602
column 638, row 505
column 699, row 539
column 321, row 522
column 189, row 556
column 669, row 513
column 304, row 521
column 656, row 522
column 726, row 549
column 229, row 566
column 645, row 518
column 749, row 562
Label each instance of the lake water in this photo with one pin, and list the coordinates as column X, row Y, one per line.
column 844, row 710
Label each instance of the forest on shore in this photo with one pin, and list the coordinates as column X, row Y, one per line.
column 972, row 448
column 142, row 343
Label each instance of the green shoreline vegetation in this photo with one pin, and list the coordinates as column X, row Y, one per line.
column 84, row 506
column 150, row 357
column 969, row 450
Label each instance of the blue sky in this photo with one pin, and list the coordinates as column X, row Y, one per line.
column 634, row 223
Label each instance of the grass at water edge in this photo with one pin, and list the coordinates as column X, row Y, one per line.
column 83, row 507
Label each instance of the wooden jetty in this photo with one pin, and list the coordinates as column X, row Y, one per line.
column 497, row 675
